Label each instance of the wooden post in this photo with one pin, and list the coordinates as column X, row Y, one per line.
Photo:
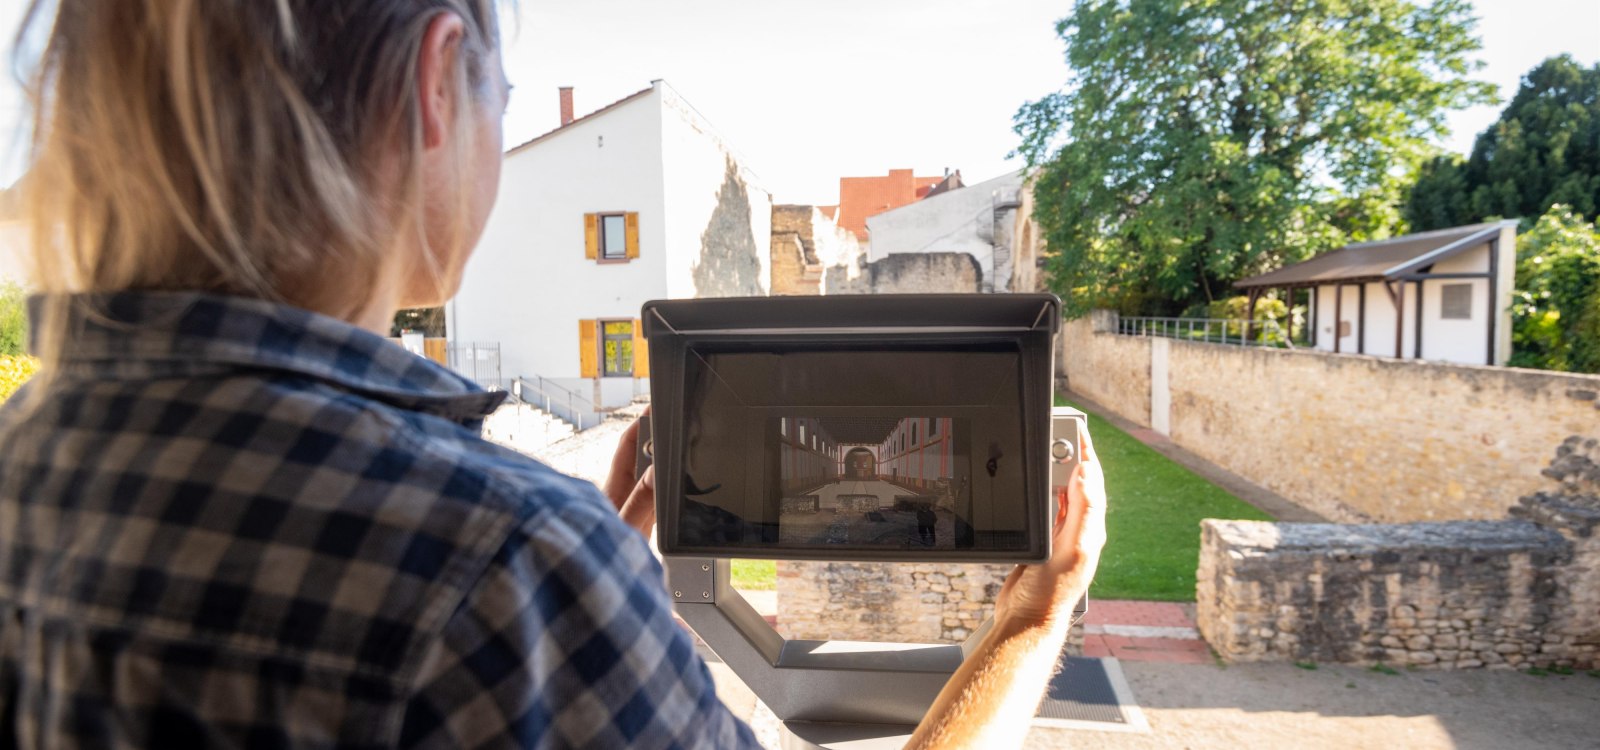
column 1250, row 316
column 1338, row 317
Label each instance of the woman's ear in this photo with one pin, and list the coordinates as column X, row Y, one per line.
column 436, row 81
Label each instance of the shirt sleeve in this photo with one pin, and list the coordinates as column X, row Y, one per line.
column 568, row 640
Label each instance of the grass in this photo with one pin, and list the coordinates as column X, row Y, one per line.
column 1153, row 523
column 1153, row 519
column 1382, row 668
column 755, row 575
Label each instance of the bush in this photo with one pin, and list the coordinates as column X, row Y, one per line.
column 1555, row 311
column 13, row 319
column 14, row 371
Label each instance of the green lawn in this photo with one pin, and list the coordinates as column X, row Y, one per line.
column 755, row 575
column 1153, row 522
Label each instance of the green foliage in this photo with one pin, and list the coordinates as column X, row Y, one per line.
column 1382, row 668
column 1198, row 143
column 428, row 320
column 1309, row 666
column 1544, row 150
column 1555, row 311
column 14, row 371
column 13, row 319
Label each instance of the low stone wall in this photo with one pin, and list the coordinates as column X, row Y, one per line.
column 1516, row 593
column 910, row 603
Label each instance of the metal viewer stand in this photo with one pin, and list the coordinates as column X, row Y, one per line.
column 869, row 695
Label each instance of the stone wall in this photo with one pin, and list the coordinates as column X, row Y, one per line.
column 1355, row 438
column 909, row 273
column 910, row 602
column 1112, row 370
column 1516, row 593
column 805, row 244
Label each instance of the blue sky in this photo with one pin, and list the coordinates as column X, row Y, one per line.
column 811, row 91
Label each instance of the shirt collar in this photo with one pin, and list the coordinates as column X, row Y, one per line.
column 130, row 334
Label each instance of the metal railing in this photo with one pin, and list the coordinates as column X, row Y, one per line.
column 1238, row 332
column 557, row 400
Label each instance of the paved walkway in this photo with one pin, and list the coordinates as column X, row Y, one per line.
column 1143, row 631
column 1271, row 503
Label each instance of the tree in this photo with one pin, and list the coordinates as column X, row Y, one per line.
column 1200, row 142
column 1555, row 311
column 1544, row 150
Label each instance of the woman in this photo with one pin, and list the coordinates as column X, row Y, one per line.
column 232, row 514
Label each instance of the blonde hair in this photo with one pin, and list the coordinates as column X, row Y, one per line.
column 245, row 147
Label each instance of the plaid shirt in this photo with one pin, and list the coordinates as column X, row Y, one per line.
column 230, row 523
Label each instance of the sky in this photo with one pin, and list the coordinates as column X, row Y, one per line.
column 808, row 92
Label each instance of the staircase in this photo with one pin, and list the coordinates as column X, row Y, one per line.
column 526, row 428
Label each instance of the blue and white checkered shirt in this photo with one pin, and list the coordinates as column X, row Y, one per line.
column 230, row 523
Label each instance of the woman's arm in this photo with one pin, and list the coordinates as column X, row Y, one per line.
column 991, row 699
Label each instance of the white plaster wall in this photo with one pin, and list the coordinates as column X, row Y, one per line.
column 1462, row 341
column 528, row 283
column 695, row 159
column 959, row 221
column 1459, row 341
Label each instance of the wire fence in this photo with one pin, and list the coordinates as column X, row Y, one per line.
column 477, row 361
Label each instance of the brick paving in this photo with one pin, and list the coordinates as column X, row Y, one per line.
column 1144, row 631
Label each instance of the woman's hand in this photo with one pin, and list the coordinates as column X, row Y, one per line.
column 1044, row 594
column 634, row 501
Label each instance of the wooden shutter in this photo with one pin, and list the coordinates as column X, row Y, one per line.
column 588, row 348
column 631, row 220
column 641, row 350
column 591, row 236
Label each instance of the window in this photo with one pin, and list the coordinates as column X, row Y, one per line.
column 613, row 237
column 1455, row 302
column 617, row 348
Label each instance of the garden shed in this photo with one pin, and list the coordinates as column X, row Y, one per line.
column 1443, row 295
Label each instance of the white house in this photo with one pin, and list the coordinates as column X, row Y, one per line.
column 638, row 200
column 976, row 219
column 1443, row 295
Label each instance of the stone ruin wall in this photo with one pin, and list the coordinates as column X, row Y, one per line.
column 1517, row 593
column 906, row 602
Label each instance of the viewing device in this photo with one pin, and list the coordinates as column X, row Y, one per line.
column 867, row 428
column 893, row 428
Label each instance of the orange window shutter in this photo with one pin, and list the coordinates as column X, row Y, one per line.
column 632, row 225
column 588, row 349
column 591, row 236
column 641, row 351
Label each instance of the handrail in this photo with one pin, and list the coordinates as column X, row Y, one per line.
column 1227, row 330
column 543, row 388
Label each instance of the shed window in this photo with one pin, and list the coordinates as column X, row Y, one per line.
column 1455, row 302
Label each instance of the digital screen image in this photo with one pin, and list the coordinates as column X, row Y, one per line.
column 873, row 482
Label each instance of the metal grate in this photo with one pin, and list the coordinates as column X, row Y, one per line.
column 1092, row 694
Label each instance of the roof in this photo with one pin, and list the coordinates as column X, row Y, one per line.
column 1384, row 259
column 585, row 118
column 861, row 197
